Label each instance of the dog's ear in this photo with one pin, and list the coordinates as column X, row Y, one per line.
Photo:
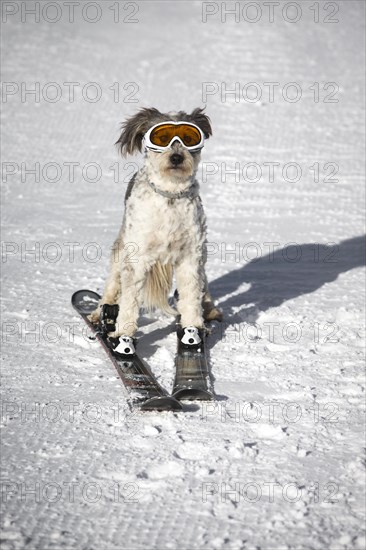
column 198, row 117
column 134, row 129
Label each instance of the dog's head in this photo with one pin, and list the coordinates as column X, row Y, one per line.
column 176, row 162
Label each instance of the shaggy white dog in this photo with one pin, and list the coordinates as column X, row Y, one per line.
column 163, row 229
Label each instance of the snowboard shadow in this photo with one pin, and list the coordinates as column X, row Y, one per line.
column 282, row 275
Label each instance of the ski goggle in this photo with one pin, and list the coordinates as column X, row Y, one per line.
column 162, row 135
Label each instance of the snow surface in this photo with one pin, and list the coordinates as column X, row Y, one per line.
column 277, row 461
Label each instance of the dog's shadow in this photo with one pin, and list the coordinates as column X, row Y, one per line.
column 273, row 279
column 269, row 281
column 282, row 275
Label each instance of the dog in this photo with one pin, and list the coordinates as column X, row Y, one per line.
column 164, row 225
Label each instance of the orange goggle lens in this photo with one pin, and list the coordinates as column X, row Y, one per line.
column 163, row 134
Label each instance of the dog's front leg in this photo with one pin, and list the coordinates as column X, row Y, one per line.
column 189, row 277
column 112, row 287
column 133, row 277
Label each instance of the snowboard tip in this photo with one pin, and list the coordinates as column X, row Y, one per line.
column 161, row 403
column 193, row 394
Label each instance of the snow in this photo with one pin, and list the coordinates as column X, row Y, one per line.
column 277, row 461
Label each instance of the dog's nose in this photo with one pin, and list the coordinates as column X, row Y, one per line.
column 176, row 159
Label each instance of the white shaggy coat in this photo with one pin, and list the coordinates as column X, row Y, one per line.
column 159, row 234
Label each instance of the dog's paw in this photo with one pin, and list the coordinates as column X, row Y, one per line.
column 94, row 316
column 123, row 328
column 115, row 334
column 213, row 314
column 119, row 334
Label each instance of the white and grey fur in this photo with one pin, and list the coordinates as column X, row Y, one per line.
column 160, row 234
